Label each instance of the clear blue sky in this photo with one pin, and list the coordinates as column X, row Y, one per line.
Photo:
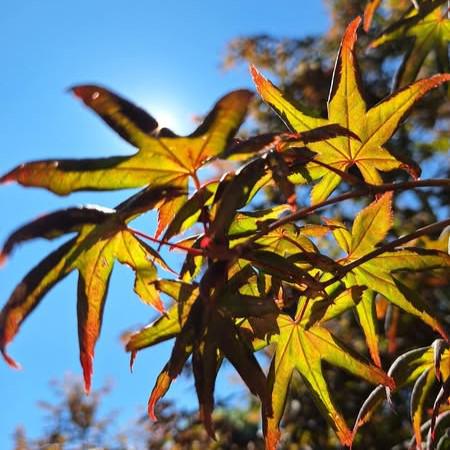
column 163, row 55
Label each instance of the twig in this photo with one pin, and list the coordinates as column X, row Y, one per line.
column 438, row 226
column 374, row 189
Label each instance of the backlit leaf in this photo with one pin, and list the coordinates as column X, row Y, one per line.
column 160, row 159
column 346, row 107
column 168, row 325
column 301, row 349
column 370, row 227
column 369, row 11
column 102, row 237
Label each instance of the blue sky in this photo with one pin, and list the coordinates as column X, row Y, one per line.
column 165, row 56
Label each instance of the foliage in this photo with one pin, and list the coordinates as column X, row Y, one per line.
column 264, row 276
column 427, row 27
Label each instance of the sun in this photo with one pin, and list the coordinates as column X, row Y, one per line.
column 167, row 114
column 167, row 118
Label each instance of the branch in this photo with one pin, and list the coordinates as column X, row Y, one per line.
column 369, row 189
column 429, row 229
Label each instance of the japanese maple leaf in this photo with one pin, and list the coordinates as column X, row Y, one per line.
column 209, row 334
column 370, row 227
column 347, row 108
column 303, row 349
column 427, row 30
column 163, row 158
column 102, row 237
column 369, row 11
column 372, row 6
column 422, row 367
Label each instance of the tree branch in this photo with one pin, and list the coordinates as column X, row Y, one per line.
column 369, row 189
column 429, row 229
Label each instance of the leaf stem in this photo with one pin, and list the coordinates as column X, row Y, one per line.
column 196, row 180
column 198, row 185
column 192, row 251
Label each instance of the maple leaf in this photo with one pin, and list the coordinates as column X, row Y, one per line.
column 346, row 107
column 102, row 237
column 163, row 158
column 241, row 292
column 427, row 29
column 192, row 210
column 370, row 227
column 209, row 333
column 303, row 348
column 168, row 325
column 422, row 367
column 369, row 11
column 216, row 202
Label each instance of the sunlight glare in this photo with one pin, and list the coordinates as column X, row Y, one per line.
column 167, row 119
column 168, row 115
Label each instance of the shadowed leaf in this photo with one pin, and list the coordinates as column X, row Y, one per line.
column 426, row 31
column 416, row 366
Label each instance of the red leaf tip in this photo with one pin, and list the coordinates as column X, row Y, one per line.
column 272, row 438
column 205, row 242
column 426, row 84
column 258, row 79
column 132, row 359
column 87, row 93
column 10, row 361
column 346, row 437
column 162, row 385
column 442, row 331
column 390, row 383
column 3, row 258
column 349, row 38
column 151, row 407
column 86, row 364
column 7, row 178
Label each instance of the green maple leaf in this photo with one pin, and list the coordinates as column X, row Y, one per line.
column 163, row 158
column 303, row 348
column 427, row 30
column 370, row 227
column 347, row 108
column 102, row 237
